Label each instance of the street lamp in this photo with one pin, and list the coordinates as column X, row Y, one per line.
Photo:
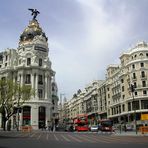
column 132, row 87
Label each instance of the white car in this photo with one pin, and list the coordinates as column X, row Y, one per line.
column 94, row 128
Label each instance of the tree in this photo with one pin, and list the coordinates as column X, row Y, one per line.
column 12, row 97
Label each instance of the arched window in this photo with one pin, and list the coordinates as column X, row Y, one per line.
column 141, row 54
column 40, row 62
column 142, row 74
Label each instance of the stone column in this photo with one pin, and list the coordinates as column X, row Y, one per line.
column 140, row 104
column 36, row 87
column 22, row 79
column 34, row 116
column 32, row 80
column 48, row 87
column 48, row 114
column 46, row 84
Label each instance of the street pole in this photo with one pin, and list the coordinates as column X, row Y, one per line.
column 134, row 107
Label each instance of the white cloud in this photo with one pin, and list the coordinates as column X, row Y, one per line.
column 86, row 58
column 84, row 35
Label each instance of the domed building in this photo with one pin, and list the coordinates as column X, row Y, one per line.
column 29, row 64
column 129, row 105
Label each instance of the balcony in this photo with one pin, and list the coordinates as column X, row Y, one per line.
column 134, row 78
column 143, row 77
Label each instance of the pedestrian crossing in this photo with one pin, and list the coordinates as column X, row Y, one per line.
column 87, row 138
column 80, row 138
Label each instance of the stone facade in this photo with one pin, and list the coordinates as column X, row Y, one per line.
column 112, row 98
column 29, row 64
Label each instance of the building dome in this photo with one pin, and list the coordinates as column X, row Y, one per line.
column 141, row 46
column 32, row 30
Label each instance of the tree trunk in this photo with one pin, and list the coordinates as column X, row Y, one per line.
column 4, row 122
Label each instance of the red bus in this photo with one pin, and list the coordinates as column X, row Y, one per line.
column 81, row 123
column 106, row 125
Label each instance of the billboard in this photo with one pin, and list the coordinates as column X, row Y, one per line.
column 144, row 116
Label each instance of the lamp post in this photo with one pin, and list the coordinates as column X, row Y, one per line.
column 132, row 87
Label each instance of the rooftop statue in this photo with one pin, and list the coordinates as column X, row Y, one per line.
column 35, row 12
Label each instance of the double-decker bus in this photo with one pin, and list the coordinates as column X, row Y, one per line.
column 106, row 125
column 81, row 123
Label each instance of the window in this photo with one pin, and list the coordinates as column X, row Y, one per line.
column 142, row 64
column 5, row 64
column 134, row 76
column 123, row 107
column 129, row 106
column 40, row 62
column 122, row 81
column 135, row 105
column 147, row 54
column 28, row 61
column 40, row 81
column 133, row 66
column 141, row 54
column 28, row 79
column 135, row 85
column 108, row 95
column 143, row 83
column 6, row 57
column 144, row 92
column 1, row 57
column 144, row 104
column 122, row 88
column 142, row 74
column 123, row 96
column 135, row 93
column 40, row 93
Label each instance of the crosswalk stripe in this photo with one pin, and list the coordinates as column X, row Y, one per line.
column 55, row 137
column 84, row 139
column 38, row 137
column 74, row 138
column 32, row 135
column 65, row 138
column 47, row 136
column 104, row 140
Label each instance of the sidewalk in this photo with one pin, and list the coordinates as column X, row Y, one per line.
column 129, row 133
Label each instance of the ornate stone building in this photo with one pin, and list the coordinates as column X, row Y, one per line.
column 113, row 98
column 29, row 64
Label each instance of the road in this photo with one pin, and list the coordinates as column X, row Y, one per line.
column 45, row 139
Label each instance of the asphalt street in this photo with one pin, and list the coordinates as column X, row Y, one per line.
column 45, row 139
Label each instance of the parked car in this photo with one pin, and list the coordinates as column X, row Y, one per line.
column 94, row 128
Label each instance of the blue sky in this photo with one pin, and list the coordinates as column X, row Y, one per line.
column 84, row 36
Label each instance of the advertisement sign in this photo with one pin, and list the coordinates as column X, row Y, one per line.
column 144, row 116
